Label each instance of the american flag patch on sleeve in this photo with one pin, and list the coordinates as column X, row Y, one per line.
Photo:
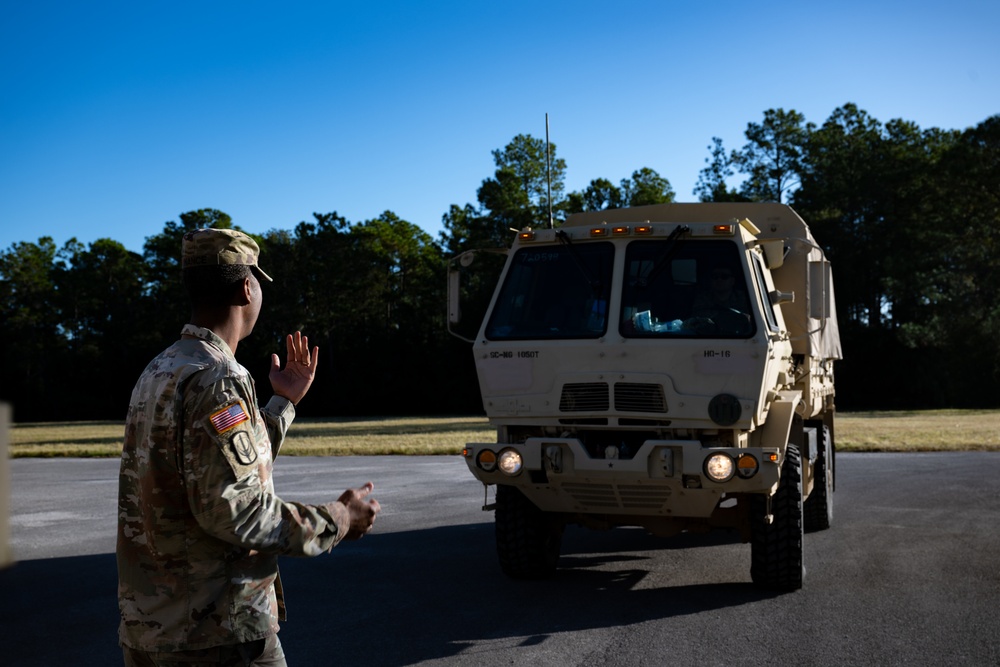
column 228, row 417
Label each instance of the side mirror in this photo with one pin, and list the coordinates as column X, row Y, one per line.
column 454, row 285
column 466, row 311
column 454, row 309
column 774, row 252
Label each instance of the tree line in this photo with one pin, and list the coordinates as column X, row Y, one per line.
column 909, row 217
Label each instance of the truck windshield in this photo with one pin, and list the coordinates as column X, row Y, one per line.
column 555, row 292
column 694, row 289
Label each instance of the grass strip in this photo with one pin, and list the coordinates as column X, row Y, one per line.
column 898, row 431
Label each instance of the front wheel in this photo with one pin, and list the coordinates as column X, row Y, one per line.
column 528, row 539
column 776, row 546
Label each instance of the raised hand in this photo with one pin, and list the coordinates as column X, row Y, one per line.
column 294, row 380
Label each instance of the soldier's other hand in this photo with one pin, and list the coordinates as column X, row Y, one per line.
column 294, row 380
column 362, row 510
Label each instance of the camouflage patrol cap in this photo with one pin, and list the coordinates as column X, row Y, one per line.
column 212, row 247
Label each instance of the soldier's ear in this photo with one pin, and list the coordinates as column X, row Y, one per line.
column 245, row 294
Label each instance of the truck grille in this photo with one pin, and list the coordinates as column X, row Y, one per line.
column 584, row 397
column 633, row 397
column 618, row 497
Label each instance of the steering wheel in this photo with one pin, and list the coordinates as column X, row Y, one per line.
column 732, row 321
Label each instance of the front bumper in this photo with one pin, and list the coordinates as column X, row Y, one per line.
column 665, row 478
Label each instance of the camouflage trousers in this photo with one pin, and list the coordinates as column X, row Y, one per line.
column 261, row 653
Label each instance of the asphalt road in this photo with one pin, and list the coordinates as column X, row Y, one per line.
column 908, row 575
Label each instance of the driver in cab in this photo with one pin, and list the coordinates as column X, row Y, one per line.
column 721, row 295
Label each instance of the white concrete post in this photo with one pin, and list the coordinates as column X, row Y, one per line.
column 6, row 555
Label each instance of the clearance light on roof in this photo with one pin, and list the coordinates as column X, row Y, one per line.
column 598, row 231
column 526, row 235
column 643, row 229
column 621, row 230
column 724, row 230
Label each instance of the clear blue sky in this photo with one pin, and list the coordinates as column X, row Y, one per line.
column 115, row 117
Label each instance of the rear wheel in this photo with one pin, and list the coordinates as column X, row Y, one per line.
column 819, row 505
column 528, row 539
column 776, row 546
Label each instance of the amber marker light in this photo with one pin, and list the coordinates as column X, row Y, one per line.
column 599, row 231
column 772, row 457
column 747, row 466
column 643, row 229
column 619, row 231
column 487, row 460
column 724, row 230
column 526, row 235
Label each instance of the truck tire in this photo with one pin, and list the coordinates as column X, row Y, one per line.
column 528, row 539
column 819, row 505
column 776, row 547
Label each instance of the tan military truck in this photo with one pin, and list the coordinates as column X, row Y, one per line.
column 668, row 367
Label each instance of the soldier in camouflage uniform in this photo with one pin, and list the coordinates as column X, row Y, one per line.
column 199, row 525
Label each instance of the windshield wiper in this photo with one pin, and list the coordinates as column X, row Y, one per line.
column 595, row 283
column 661, row 261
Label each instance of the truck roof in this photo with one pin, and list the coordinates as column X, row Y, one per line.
column 774, row 220
column 812, row 317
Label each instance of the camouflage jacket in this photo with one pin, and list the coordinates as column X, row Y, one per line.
column 199, row 525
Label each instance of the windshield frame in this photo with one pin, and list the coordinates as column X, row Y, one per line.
column 554, row 292
column 681, row 301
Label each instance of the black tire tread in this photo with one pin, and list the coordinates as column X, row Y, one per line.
column 528, row 540
column 776, row 547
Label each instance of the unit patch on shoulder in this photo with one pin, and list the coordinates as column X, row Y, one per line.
column 243, row 448
column 228, row 417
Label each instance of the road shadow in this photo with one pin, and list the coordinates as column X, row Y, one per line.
column 389, row 599
column 404, row 598
column 60, row 611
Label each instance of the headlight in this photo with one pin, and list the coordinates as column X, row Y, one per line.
column 486, row 460
column 510, row 462
column 720, row 467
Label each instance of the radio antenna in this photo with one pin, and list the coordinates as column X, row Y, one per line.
column 548, row 170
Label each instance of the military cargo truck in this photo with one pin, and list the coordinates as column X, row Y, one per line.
column 668, row 367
